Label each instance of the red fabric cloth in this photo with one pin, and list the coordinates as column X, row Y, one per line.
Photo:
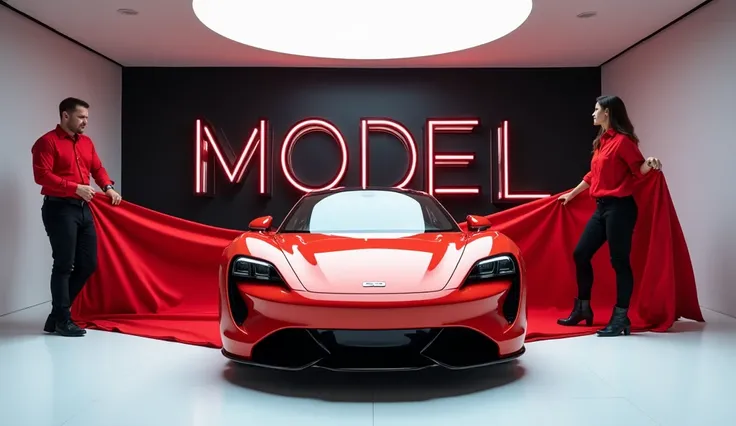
column 615, row 166
column 157, row 274
column 60, row 163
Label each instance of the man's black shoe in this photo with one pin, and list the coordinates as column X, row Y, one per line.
column 50, row 325
column 69, row 329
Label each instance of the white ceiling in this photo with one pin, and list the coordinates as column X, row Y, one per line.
column 167, row 33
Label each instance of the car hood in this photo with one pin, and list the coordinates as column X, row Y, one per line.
column 373, row 264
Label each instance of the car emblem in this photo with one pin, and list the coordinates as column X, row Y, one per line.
column 374, row 284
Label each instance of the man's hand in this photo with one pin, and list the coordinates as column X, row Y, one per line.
column 116, row 198
column 86, row 192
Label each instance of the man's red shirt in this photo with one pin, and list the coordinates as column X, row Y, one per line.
column 615, row 166
column 61, row 162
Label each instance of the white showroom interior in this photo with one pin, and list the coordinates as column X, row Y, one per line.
column 671, row 60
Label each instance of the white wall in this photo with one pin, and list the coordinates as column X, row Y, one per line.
column 38, row 69
column 680, row 89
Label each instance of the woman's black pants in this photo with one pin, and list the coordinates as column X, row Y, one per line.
column 613, row 221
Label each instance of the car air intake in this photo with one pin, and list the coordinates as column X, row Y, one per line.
column 459, row 347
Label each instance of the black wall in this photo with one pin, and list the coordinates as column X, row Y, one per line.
column 549, row 111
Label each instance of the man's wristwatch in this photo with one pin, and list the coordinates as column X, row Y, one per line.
column 107, row 187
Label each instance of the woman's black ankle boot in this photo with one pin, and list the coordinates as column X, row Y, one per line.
column 581, row 311
column 618, row 324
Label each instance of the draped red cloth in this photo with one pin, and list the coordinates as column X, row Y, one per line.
column 157, row 274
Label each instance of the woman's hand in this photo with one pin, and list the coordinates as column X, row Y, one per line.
column 565, row 198
column 568, row 196
column 651, row 163
column 654, row 163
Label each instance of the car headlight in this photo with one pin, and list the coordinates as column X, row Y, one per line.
column 254, row 270
column 492, row 267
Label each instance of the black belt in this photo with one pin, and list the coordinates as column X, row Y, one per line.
column 609, row 200
column 70, row 200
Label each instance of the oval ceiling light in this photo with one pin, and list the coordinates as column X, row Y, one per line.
column 378, row 29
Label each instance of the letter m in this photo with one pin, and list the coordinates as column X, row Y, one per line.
column 211, row 152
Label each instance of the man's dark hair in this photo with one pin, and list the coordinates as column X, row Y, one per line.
column 70, row 105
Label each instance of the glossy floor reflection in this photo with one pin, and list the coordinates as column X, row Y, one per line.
column 107, row 379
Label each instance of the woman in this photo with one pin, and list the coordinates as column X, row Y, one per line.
column 616, row 164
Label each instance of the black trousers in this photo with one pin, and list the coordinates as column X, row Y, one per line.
column 71, row 231
column 613, row 221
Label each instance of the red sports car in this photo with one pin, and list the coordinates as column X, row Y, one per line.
column 372, row 279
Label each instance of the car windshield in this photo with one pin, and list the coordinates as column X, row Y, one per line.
column 368, row 211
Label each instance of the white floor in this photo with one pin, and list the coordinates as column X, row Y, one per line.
column 685, row 377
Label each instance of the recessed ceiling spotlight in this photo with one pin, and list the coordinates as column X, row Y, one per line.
column 129, row 12
column 589, row 14
column 379, row 29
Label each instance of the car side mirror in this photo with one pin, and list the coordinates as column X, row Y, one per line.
column 477, row 223
column 262, row 223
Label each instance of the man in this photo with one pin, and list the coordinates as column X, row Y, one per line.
column 63, row 160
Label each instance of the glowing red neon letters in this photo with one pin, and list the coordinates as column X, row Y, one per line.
column 448, row 126
column 208, row 148
column 503, row 169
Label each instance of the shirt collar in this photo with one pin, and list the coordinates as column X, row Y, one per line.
column 609, row 133
column 61, row 133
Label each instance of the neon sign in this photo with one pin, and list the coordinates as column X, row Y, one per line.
column 393, row 128
column 210, row 152
column 448, row 126
column 503, row 169
column 297, row 131
column 205, row 170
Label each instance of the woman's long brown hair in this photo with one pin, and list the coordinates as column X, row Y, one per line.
column 620, row 121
